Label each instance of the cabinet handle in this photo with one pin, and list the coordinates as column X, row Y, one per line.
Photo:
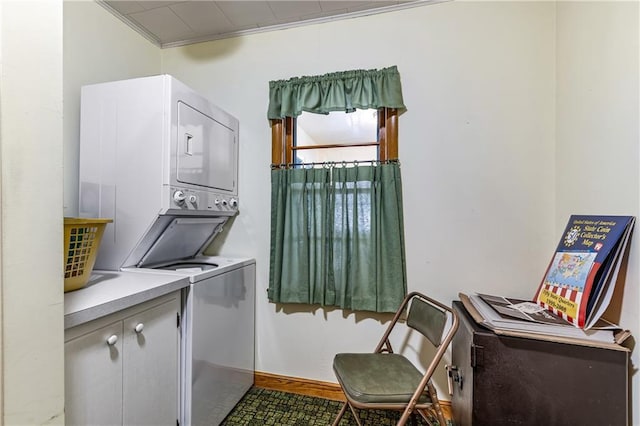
column 138, row 328
column 112, row 340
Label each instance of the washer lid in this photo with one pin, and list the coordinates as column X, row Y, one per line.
column 183, row 238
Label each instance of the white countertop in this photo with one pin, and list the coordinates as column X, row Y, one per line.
column 111, row 291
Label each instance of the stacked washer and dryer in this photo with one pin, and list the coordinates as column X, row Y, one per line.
column 162, row 162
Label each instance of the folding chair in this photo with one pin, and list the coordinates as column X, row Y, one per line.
column 384, row 380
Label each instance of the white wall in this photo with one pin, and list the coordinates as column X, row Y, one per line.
column 478, row 80
column 597, row 130
column 97, row 48
column 31, row 213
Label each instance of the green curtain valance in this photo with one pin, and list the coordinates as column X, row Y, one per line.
column 339, row 91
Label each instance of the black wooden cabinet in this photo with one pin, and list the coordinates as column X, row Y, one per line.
column 503, row 380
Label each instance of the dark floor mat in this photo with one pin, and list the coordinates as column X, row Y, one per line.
column 267, row 407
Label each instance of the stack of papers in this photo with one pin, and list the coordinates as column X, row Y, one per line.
column 503, row 314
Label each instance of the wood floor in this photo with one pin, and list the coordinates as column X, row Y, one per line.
column 316, row 388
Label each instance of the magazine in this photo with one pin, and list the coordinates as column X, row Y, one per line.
column 579, row 282
column 500, row 313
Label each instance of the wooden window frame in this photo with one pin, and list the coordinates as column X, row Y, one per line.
column 283, row 139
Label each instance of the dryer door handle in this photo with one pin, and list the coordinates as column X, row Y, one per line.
column 188, row 144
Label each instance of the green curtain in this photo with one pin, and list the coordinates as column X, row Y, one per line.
column 339, row 91
column 337, row 237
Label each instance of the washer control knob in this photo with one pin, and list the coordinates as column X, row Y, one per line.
column 233, row 202
column 224, row 202
column 192, row 198
column 179, row 197
column 216, row 202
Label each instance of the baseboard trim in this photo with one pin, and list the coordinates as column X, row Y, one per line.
column 306, row 387
column 299, row 386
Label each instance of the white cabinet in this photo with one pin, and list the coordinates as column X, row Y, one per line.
column 93, row 377
column 124, row 368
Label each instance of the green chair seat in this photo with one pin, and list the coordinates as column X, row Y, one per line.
column 378, row 378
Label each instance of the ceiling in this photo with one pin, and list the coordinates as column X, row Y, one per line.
column 178, row 23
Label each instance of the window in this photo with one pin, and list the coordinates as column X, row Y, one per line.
column 337, row 236
column 335, row 137
column 296, row 140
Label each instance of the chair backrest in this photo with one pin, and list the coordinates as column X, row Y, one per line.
column 427, row 318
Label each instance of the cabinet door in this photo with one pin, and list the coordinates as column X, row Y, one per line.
column 93, row 377
column 150, row 367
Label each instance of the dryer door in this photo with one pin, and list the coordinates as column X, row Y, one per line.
column 184, row 238
column 207, row 151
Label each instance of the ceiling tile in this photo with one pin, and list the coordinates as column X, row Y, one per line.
column 284, row 10
column 203, row 17
column 189, row 21
column 338, row 8
column 148, row 4
column 126, row 7
column 247, row 13
column 164, row 24
column 328, row 6
column 372, row 5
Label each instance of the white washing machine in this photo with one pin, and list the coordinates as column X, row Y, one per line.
column 217, row 326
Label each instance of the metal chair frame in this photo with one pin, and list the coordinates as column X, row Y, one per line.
column 426, row 410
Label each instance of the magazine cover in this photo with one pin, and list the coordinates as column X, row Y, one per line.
column 580, row 279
